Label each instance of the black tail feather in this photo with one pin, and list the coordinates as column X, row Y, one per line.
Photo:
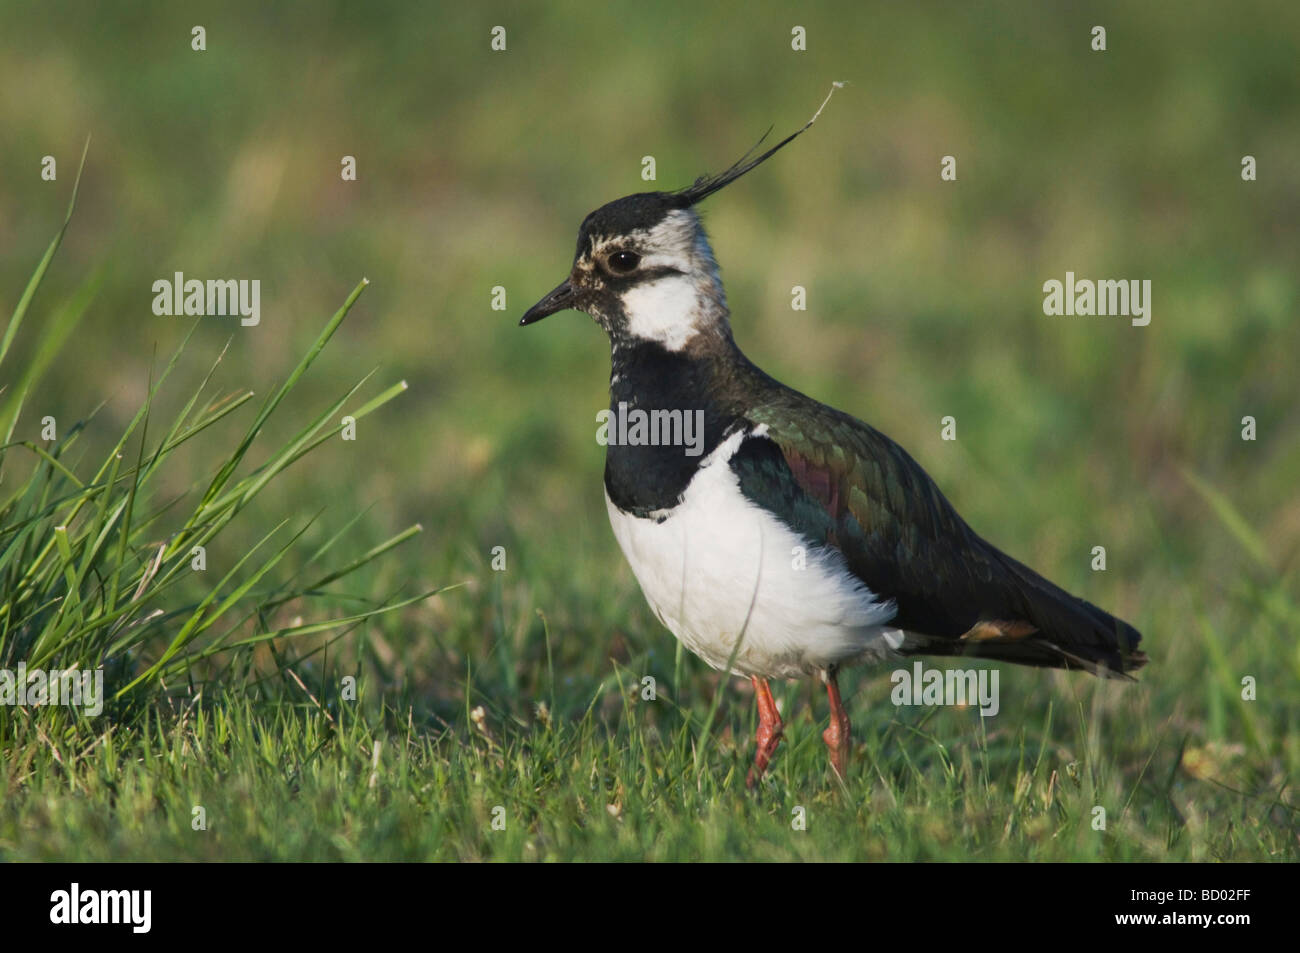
column 1068, row 632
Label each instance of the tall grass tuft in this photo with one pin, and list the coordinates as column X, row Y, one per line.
column 96, row 572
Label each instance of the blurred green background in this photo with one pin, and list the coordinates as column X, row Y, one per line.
column 924, row 297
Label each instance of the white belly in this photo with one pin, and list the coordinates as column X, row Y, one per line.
column 719, row 567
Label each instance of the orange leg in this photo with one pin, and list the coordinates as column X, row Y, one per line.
column 769, row 730
column 837, row 735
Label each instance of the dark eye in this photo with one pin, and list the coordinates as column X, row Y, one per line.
column 623, row 261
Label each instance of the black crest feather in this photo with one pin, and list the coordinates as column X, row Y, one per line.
column 706, row 185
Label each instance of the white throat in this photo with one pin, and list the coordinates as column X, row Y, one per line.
column 670, row 311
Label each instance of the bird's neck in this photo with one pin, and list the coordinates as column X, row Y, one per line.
column 707, row 387
column 649, row 373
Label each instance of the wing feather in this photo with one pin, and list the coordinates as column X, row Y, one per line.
column 842, row 483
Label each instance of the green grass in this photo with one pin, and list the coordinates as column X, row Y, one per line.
column 475, row 171
column 279, row 778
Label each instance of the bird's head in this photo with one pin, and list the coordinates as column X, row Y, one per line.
column 643, row 268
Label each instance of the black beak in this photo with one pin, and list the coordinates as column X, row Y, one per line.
column 559, row 299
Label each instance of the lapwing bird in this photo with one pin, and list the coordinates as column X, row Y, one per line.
column 789, row 538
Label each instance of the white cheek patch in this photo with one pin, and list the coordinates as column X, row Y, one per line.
column 666, row 311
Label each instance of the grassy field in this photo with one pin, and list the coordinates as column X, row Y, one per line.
column 350, row 679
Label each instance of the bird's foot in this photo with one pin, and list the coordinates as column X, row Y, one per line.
column 767, row 740
column 839, row 734
column 839, row 742
column 768, row 736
